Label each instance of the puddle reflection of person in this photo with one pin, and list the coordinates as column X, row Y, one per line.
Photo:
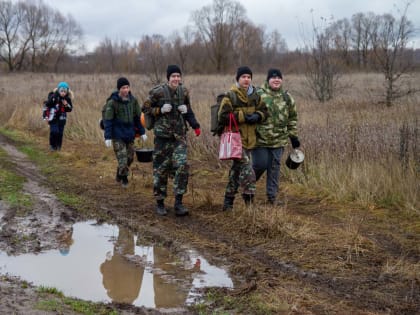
column 65, row 240
column 167, row 293
column 121, row 278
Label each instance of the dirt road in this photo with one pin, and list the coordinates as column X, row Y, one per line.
column 315, row 258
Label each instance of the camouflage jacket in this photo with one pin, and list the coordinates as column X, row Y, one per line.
column 245, row 104
column 122, row 118
column 173, row 124
column 282, row 121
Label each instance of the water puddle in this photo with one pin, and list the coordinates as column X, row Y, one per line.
column 105, row 263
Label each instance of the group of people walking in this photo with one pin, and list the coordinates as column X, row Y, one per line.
column 266, row 117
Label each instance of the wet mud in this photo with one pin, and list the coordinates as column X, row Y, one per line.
column 257, row 262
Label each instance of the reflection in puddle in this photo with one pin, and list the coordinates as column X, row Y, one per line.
column 103, row 263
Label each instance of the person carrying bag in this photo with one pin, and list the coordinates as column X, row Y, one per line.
column 230, row 142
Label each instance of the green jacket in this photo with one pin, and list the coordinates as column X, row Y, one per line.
column 173, row 124
column 245, row 104
column 275, row 131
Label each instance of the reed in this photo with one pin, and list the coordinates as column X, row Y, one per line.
column 356, row 149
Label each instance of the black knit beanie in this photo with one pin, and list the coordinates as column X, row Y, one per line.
column 274, row 73
column 121, row 82
column 243, row 70
column 172, row 69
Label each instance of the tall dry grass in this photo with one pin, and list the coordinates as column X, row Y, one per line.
column 356, row 148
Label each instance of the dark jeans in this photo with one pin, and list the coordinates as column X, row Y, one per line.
column 268, row 160
column 56, row 134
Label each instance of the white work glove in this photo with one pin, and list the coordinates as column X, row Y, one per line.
column 183, row 109
column 166, row 108
column 108, row 143
column 144, row 137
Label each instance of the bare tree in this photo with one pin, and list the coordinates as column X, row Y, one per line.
column 322, row 65
column 341, row 31
column 392, row 57
column 217, row 25
column 151, row 50
column 248, row 48
column 13, row 47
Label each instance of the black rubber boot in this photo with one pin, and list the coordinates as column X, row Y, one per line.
column 124, row 181
column 180, row 210
column 228, row 203
column 249, row 199
column 160, row 208
column 117, row 177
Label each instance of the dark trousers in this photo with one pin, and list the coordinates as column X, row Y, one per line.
column 268, row 160
column 56, row 134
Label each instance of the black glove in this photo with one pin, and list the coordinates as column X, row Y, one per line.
column 252, row 118
column 295, row 142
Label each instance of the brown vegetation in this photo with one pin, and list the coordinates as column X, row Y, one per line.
column 346, row 240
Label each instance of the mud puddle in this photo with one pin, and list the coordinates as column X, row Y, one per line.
column 106, row 263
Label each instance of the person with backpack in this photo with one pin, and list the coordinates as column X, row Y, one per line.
column 274, row 133
column 121, row 125
column 249, row 110
column 168, row 109
column 55, row 109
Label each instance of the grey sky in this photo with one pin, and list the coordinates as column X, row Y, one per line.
column 131, row 19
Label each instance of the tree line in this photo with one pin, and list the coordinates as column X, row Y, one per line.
column 35, row 37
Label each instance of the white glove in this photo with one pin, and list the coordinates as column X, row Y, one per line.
column 108, row 143
column 144, row 137
column 166, row 108
column 183, row 109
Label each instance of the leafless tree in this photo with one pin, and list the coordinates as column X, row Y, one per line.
column 152, row 52
column 392, row 58
column 322, row 64
column 13, row 47
column 217, row 25
column 341, row 31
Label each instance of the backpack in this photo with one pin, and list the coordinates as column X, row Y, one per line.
column 214, row 111
column 149, row 118
column 114, row 104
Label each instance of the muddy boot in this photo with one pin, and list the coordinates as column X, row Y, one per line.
column 228, row 203
column 117, row 177
column 124, row 181
column 180, row 210
column 160, row 208
column 249, row 199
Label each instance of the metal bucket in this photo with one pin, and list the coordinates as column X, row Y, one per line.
column 144, row 155
column 294, row 159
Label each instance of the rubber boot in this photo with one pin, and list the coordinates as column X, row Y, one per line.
column 228, row 203
column 249, row 199
column 117, row 177
column 160, row 208
column 180, row 210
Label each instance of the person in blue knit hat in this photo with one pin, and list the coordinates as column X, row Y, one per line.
column 56, row 107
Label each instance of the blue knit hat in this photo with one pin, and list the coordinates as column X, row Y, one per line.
column 63, row 85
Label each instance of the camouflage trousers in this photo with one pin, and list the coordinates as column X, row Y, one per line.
column 241, row 174
column 170, row 158
column 125, row 155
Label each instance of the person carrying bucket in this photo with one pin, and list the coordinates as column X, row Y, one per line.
column 273, row 134
column 121, row 123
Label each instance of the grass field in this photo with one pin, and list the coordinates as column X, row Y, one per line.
column 357, row 149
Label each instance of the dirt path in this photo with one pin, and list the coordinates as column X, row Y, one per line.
column 304, row 266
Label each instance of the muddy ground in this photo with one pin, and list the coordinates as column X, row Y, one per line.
column 301, row 265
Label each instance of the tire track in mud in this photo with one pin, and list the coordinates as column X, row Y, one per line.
column 40, row 227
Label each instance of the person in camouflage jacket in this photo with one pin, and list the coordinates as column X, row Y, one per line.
column 169, row 106
column 274, row 133
column 249, row 110
column 121, row 126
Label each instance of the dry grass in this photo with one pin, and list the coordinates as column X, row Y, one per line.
column 356, row 149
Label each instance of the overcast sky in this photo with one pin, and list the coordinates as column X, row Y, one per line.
column 131, row 19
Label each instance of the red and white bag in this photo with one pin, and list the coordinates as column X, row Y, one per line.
column 230, row 142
